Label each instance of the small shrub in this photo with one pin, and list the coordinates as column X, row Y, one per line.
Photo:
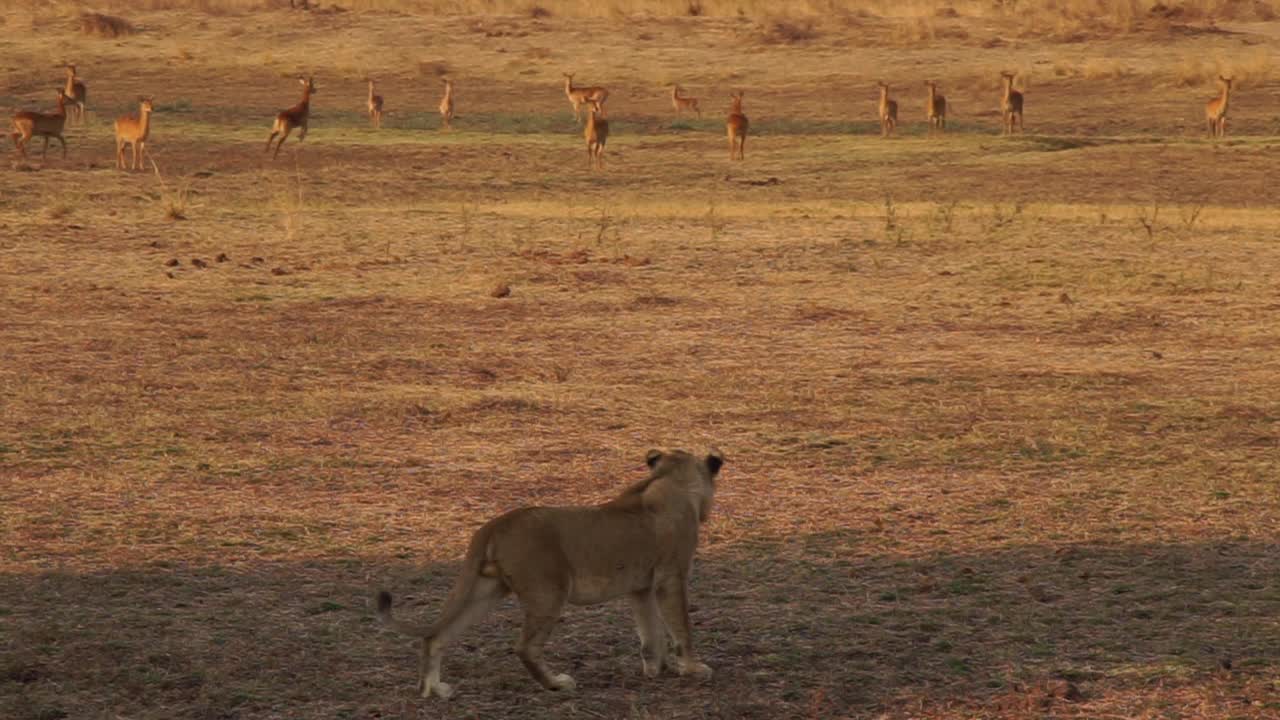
column 537, row 12
column 787, row 30
column 436, row 68
column 174, row 200
column 107, row 26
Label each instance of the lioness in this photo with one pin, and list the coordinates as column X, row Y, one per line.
column 639, row 544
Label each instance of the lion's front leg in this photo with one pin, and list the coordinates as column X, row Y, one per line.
column 652, row 631
column 674, row 602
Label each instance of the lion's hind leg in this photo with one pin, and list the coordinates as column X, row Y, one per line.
column 542, row 608
column 652, row 631
column 485, row 594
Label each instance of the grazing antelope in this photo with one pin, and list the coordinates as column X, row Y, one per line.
column 1215, row 111
column 77, row 93
column 888, row 111
column 580, row 95
column 133, row 130
column 683, row 102
column 446, row 104
column 294, row 117
column 375, row 108
column 27, row 125
column 936, row 109
column 737, row 127
column 597, row 133
column 1010, row 105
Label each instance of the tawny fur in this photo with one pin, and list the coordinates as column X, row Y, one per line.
column 295, row 117
column 580, row 95
column 683, row 102
column 736, row 125
column 77, row 93
column 936, row 109
column 1010, row 105
column 1215, row 111
column 133, row 130
column 28, row 124
column 888, row 111
column 446, row 105
column 597, row 134
column 375, row 108
column 640, row 544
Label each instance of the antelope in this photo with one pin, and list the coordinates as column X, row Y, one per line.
column 1215, row 111
column 446, row 104
column 737, row 127
column 375, row 108
column 936, row 109
column 583, row 94
column 294, row 117
column 133, row 130
column 888, row 111
column 76, row 93
column 597, row 133
column 683, row 102
column 1010, row 105
column 27, row 125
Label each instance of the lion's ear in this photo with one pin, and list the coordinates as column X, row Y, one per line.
column 652, row 457
column 715, row 460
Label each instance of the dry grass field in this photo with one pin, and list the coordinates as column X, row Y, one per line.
column 1002, row 415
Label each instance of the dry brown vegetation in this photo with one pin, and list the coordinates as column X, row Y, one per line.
column 1001, row 415
column 107, row 26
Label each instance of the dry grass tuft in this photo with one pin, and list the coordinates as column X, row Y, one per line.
column 107, row 26
column 789, row 30
column 174, row 200
column 433, row 68
column 60, row 209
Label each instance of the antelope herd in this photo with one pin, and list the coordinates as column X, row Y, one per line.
column 133, row 130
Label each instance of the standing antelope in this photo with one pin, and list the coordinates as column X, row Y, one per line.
column 1215, row 111
column 294, row 117
column 888, row 111
column 597, row 133
column 375, row 108
column 936, row 109
column 583, row 95
column 736, row 124
column 446, row 104
column 683, row 102
column 1010, row 105
column 76, row 93
column 133, row 130
column 27, row 125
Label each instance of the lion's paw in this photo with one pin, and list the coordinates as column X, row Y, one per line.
column 444, row 690
column 651, row 669
column 563, row 682
column 700, row 670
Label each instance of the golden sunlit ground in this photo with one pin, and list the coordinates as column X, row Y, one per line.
column 1001, row 414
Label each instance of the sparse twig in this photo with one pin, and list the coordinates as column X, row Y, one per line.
column 947, row 215
column 1190, row 217
column 1148, row 220
column 603, row 224
column 715, row 224
column 176, row 200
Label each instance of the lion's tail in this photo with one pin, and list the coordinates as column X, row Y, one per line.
column 384, row 614
column 458, row 599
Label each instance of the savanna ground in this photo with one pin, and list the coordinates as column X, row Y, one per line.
column 1002, row 415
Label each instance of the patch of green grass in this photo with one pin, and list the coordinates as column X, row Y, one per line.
column 327, row 606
